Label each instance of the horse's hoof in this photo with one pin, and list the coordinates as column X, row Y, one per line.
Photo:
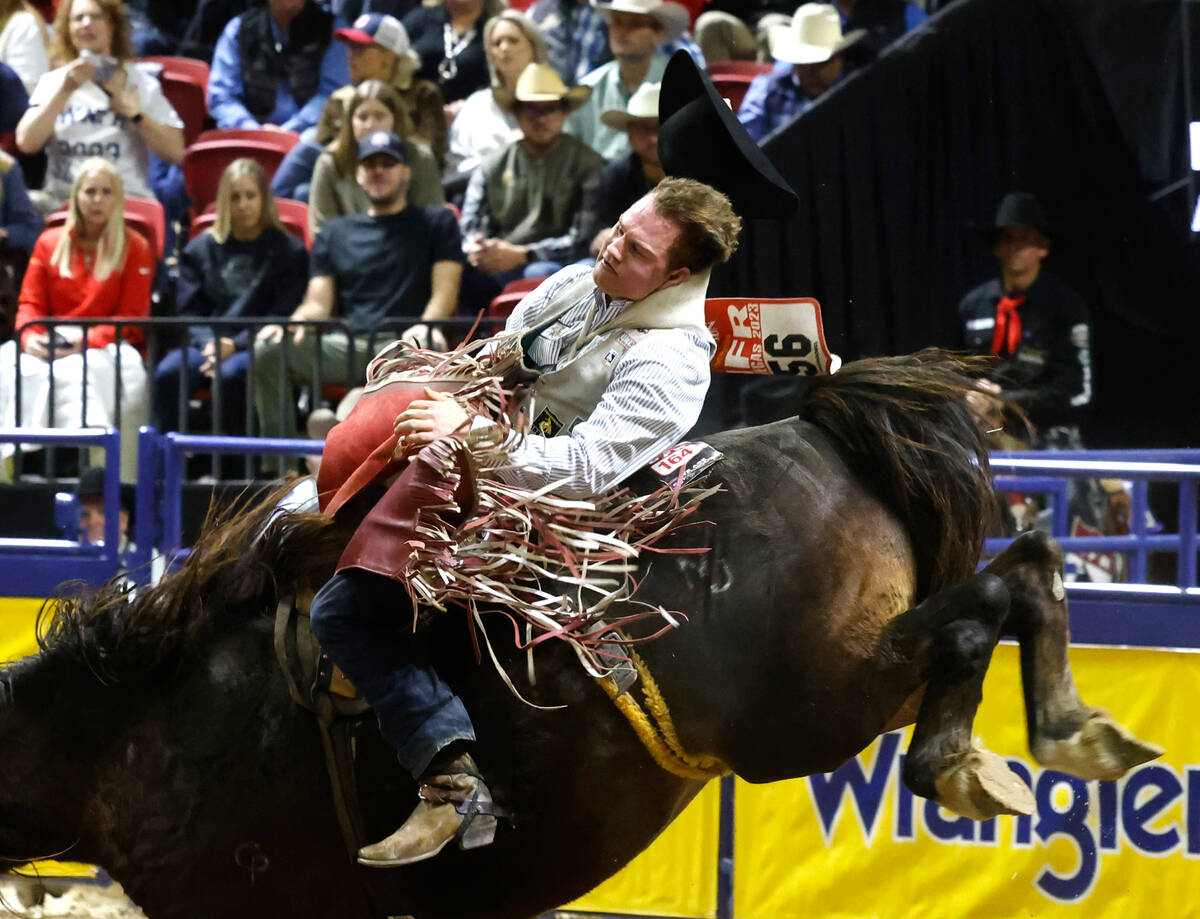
column 982, row 786
column 1101, row 749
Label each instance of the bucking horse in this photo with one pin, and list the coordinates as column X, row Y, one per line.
column 838, row 597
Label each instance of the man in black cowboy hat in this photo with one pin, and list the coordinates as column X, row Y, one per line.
column 1038, row 326
column 622, row 352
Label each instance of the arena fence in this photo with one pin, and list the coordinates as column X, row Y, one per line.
column 200, row 399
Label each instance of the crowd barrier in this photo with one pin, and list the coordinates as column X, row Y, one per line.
column 793, row 848
column 163, row 335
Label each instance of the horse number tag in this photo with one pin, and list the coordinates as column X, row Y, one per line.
column 690, row 459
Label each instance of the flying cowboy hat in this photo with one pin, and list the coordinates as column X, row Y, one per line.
column 673, row 17
column 541, row 83
column 813, row 36
column 700, row 138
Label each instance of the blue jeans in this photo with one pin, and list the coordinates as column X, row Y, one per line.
column 167, row 380
column 362, row 621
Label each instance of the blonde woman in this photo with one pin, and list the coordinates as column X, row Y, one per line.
column 483, row 125
column 24, row 41
column 247, row 265
column 93, row 267
column 334, row 192
column 97, row 103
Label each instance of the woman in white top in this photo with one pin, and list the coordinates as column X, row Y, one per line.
column 23, row 41
column 98, row 103
column 511, row 42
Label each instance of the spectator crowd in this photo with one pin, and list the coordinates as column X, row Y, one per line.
column 268, row 167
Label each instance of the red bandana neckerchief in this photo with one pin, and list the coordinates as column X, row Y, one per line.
column 1007, row 337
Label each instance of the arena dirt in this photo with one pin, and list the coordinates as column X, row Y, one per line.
column 77, row 900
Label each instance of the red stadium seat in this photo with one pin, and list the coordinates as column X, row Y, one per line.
column 183, row 67
column 205, row 160
column 147, row 217
column 185, row 84
column 514, row 292
column 283, row 140
column 294, row 216
column 142, row 214
column 732, row 86
column 741, row 68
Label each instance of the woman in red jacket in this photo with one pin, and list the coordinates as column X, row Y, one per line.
column 93, row 267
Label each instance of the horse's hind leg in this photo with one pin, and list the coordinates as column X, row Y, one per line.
column 1064, row 733
column 949, row 638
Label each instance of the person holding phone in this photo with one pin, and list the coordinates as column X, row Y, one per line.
column 97, row 103
column 93, row 267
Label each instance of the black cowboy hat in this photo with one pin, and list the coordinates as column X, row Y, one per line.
column 91, row 485
column 1018, row 209
column 700, row 138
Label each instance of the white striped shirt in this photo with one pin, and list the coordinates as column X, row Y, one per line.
column 654, row 398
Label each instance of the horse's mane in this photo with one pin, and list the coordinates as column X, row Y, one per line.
column 904, row 426
column 246, row 556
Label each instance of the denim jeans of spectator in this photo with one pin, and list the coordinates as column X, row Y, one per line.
column 364, row 623
column 168, row 378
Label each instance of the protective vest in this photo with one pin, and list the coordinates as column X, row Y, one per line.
column 298, row 64
column 557, row 400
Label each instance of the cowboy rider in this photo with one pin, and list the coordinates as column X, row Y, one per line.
column 623, row 353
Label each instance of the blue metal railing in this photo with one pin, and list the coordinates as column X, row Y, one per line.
column 174, row 447
column 35, row 567
column 1047, row 472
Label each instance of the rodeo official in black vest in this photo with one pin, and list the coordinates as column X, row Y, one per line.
column 622, row 352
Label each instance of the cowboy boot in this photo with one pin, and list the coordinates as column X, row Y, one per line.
column 455, row 804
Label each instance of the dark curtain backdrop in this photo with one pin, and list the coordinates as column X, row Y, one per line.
column 1079, row 101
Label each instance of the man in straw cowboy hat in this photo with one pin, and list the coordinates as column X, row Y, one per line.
column 621, row 352
column 637, row 32
column 808, row 61
column 521, row 213
column 625, row 180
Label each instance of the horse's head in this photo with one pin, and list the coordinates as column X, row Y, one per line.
column 133, row 692
column 50, row 725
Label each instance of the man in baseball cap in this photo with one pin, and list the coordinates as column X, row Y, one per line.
column 375, row 43
column 395, row 260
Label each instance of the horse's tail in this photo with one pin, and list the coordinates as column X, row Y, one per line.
column 903, row 424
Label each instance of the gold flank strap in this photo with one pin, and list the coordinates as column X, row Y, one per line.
column 659, row 737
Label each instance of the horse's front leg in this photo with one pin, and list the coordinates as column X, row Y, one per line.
column 949, row 639
column 1064, row 733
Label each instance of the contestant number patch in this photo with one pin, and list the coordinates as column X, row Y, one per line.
column 690, row 459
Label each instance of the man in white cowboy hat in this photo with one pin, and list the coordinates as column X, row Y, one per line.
column 637, row 32
column 808, row 61
column 521, row 213
column 576, row 34
column 625, row 180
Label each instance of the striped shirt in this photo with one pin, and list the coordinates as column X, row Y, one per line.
column 653, row 399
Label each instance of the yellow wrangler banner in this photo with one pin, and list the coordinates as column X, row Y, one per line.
column 856, row 843
column 18, row 615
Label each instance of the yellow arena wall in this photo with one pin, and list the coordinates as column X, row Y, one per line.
column 856, row 844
